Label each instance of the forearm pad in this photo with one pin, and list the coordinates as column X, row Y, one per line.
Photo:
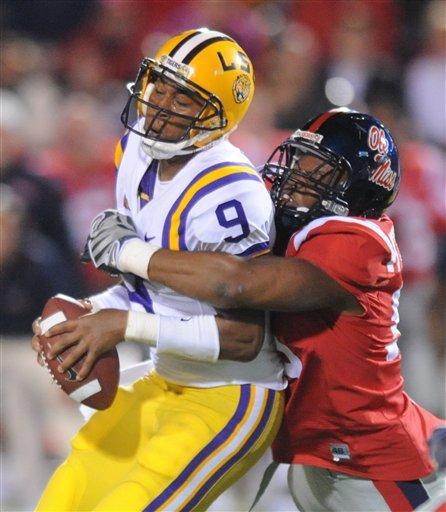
column 193, row 337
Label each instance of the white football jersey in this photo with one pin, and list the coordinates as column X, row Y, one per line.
column 216, row 202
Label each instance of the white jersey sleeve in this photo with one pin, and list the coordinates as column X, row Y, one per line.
column 237, row 219
column 115, row 297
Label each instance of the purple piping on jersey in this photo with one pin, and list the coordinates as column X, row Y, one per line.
column 166, row 228
column 261, row 246
column 218, row 440
column 147, row 184
column 414, row 492
column 233, row 460
column 141, row 296
column 221, row 182
column 123, row 143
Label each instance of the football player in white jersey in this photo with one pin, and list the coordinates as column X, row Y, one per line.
column 213, row 402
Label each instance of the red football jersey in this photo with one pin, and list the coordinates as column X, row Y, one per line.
column 347, row 411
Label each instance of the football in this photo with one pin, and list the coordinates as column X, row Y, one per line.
column 99, row 388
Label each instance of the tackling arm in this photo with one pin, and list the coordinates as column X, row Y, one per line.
column 240, row 334
column 269, row 282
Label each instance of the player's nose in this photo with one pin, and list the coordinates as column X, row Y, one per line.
column 166, row 101
column 156, row 119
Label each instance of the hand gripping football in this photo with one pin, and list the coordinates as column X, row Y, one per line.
column 99, row 388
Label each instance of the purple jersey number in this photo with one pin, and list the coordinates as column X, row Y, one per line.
column 239, row 220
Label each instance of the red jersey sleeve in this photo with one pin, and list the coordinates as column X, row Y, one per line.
column 358, row 259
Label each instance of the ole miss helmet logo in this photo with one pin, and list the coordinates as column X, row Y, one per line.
column 382, row 175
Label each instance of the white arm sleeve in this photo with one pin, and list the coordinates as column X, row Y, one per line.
column 115, row 297
column 193, row 337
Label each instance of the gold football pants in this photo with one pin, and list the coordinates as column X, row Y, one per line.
column 162, row 446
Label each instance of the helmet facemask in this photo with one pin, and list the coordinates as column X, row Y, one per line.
column 147, row 119
column 307, row 182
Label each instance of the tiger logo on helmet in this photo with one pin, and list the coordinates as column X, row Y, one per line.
column 210, row 67
column 241, row 88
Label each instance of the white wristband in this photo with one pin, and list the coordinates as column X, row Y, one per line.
column 135, row 257
column 192, row 337
column 142, row 327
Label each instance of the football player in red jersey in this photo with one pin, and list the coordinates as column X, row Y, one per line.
column 354, row 439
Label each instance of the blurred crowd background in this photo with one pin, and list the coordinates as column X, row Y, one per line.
column 64, row 67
